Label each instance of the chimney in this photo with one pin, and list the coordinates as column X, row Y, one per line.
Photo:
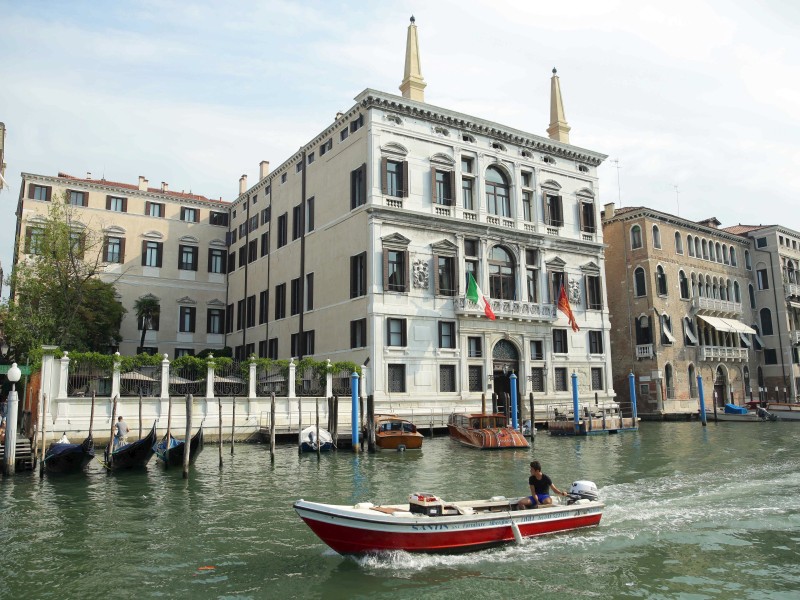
column 339, row 115
column 263, row 169
column 88, row 174
column 164, row 186
column 143, row 183
column 242, row 184
column 608, row 211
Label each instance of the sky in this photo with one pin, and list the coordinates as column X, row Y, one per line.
column 696, row 103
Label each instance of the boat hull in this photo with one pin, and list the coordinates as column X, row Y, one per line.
column 350, row 530
column 174, row 457
column 69, row 458
column 784, row 411
column 500, row 438
column 134, row 455
column 410, row 441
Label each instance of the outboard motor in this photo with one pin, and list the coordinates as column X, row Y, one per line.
column 582, row 490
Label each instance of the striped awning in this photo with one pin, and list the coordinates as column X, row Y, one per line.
column 727, row 324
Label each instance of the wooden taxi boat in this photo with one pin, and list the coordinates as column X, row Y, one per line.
column 428, row 524
column 395, row 433
column 487, row 431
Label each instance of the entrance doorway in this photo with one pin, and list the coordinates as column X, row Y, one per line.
column 505, row 361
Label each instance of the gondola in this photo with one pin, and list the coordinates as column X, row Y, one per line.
column 69, row 458
column 134, row 455
column 172, row 455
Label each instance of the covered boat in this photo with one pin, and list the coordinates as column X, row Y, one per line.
column 170, row 452
column 133, row 455
column 429, row 524
column 309, row 441
column 487, row 431
column 741, row 414
column 395, row 433
column 63, row 457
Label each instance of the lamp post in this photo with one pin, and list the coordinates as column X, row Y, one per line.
column 11, row 419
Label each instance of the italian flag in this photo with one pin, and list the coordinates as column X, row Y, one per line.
column 474, row 294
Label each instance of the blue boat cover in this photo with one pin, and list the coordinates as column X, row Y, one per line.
column 732, row 409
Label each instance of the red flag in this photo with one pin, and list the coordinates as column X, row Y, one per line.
column 563, row 306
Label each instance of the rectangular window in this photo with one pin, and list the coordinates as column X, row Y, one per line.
column 243, row 255
column 560, row 341
column 597, row 378
column 231, row 261
column 187, row 258
column 475, row 347
column 265, row 215
column 343, row 134
column 397, row 378
column 229, row 319
column 594, row 295
column 356, row 123
column 553, row 212
column 308, row 342
column 252, row 224
column 249, row 350
column 243, row 230
column 447, row 378
column 240, row 314
column 358, row 275
column 537, row 350
column 309, row 291
column 265, row 243
column 272, row 349
column 763, row 279
column 327, row 145
column 395, row 270
column 770, row 356
column 152, row 325
column 395, row 332
column 310, row 215
column 154, row 209
column 595, row 342
column 298, row 167
column 294, row 345
column 39, row 192
column 297, row 222
column 310, row 157
column 216, row 260
column 447, row 334
column 77, row 198
column 761, row 242
column 152, row 253
column 442, row 187
column 215, row 318
column 475, row 374
column 233, row 236
column 218, row 218
column 251, row 311
column 115, row 250
column 116, row 204
column 186, row 320
column 446, row 276
column 394, row 177
column 188, row 214
column 252, row 250
column 280, row 301
column 561, row 379
column 358, row 333
column 468, row 193
column 358, row 187
column 295, row 296
column 262, row 349
column 532, row 279
column 537, row 379
column 588, row 224
column 282, row 230
column 527, row 206
column 262, row 307
column 283, row 178
column 183, row 352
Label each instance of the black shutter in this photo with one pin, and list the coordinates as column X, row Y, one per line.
column 404, row 180
column 384, row 176
column 144, row 252
column 108, row 202
column 121, row 250
column 160, row 251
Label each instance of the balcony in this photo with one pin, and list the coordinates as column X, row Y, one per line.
column 713, row 306
column 644, row 351
column 507, row 309
column 796, row 337
column 723, row 353
column 792, row 289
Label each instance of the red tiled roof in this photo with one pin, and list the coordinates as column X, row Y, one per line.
column 128, row 186
column 741, row 229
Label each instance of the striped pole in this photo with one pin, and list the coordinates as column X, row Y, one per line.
column 575, row 405
column 354, row 414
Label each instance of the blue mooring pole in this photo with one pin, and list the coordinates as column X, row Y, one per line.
column 702, row 400
column 513, row 379
column 354, row 413
column 575, row 407
column 632, row 388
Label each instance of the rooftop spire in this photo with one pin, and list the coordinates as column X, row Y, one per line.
column 413, row 85
column 559, row 129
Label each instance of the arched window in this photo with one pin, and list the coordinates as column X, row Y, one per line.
column 717, row 256
column 752, row 293
column 636, row 237
column 661, row 281
column 733, row 256
column 639, row 282
column 668, row 380
column 790, row 272
column 766, row 321
column 737, row 296
column 502, row 275
column 725, row 254
column 711, row 255
column 690, row 245
column 656, row 237
column 747, row 263
column 678, row 243
column 692, row 382
column 704, row 245
column 729, row 290
column 694, row 286
column 497, row 198
column 684, row 283
column 697, row 248
column 746, row 375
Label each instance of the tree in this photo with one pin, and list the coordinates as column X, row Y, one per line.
column 56, row 294
column 147, row 308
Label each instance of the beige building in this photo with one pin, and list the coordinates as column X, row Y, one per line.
column 155, row 242
column 681, row 302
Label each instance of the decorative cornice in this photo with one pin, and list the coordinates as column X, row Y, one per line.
column 649, row 213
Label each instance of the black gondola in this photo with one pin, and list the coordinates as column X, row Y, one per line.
column 172, row 455
column 69, row 458
column 134, row 455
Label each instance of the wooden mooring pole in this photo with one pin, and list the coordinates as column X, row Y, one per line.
column 169, row 432
column 533, row 415
column 316, row 408
column 233, row 426
column 299, row 424
column 272, row 426
column 110, row 448
column 336, row 421
column 187, row 443
column 44, row 434
column 371, row 423
column 219, row 441
column 140, row 413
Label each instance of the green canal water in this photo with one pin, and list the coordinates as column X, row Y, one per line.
column 691, row 512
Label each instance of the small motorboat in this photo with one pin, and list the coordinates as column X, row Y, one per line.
column 429, row 524
column 741, row 414
column 784, row 411
column 64, row 457
column 310, row 443
column 395, row 433
column 134, row 455
column 487, row 431
column 171, row 453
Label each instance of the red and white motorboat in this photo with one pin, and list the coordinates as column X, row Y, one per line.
column 429, row 524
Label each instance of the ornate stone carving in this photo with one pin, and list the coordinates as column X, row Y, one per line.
column 421, row 273
column 574, row 292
